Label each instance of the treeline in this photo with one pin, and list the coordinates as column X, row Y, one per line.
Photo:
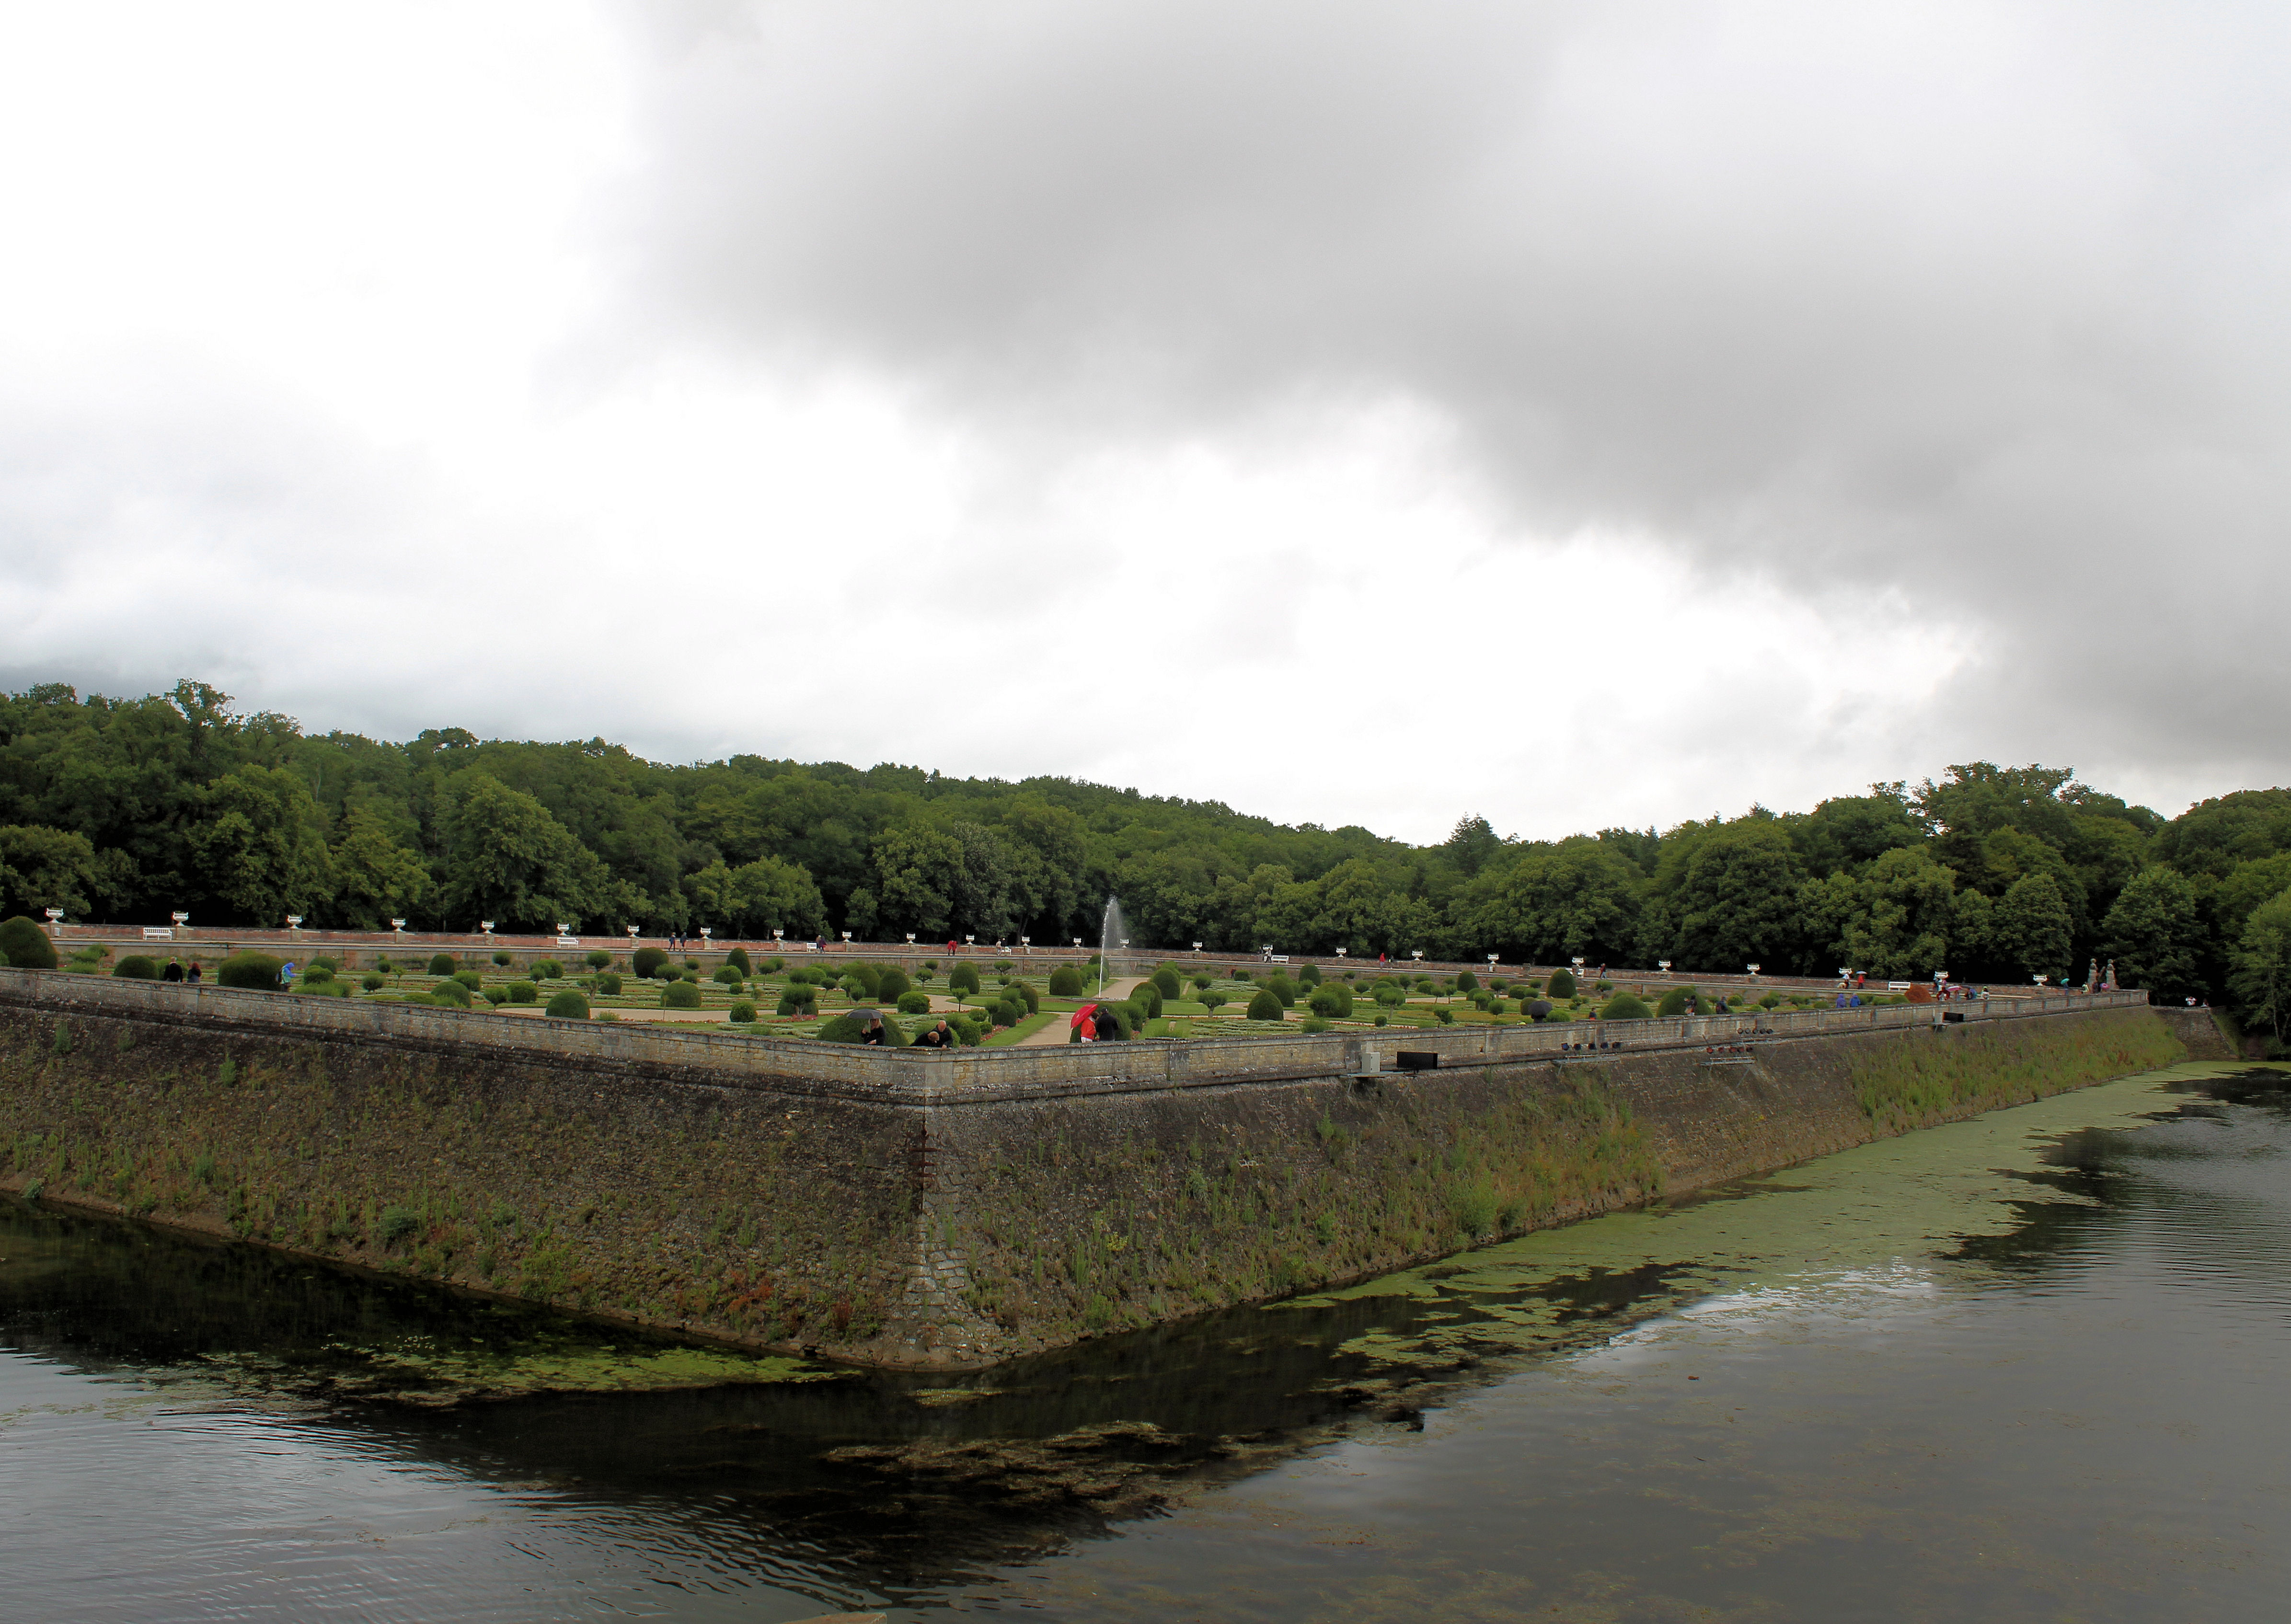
column 123, row 809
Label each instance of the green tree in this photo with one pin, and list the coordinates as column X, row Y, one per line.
column 259, row 846
column 1733, row 899
column 2261, row 976
column 43, row 868
column 377, row 879
column 2032, row 928
column 1582, row 898
column 1893, row 920
column 2154, row 933
column 508, row 859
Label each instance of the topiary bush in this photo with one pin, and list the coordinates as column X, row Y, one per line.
column 498, row 996
column 680, row 995
column 373, row 982
column 521, row 992
column 1312, row 1023
column 1148, row 998
column 738, row 959
column 450, row 992
column 894, row 985
column 1066, row 982
column 1282, row 988
column 469, row 979
column 728, row 976
column 1309, row 977
column 502, row 957
column 570, row 1006
column 597, row 959
column 1384, row 1020
column 25, row 945
column 1007, row 1014
column 1211, row 1000
column 546, row 969
column 1625, row 1007
column 743, row 1012
column 317, row 975
column 646, row 963
column 253, row 970
column 1563, row 984
column 913, row 1003
column 1169, row 981
column 441, row 964
column 966, row 1030
column 1266, row 1006
column 1467, row 982
column 963, row 980
column 135, row 967
column 1446, row 1018
column 1026, row 993
column 1331, row 1000
column 1678, row 1001
column 608, row 983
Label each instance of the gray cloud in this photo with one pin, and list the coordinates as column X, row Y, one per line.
column 1984, row 303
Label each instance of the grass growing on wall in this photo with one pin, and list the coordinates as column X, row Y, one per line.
column 1922, row 1079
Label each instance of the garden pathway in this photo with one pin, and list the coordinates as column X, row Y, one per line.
column 1056, row 1032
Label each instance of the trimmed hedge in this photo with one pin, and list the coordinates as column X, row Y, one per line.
column 912, row 1002
column 1563, row 984
column 1625, row 1007
column 1309, row 977
column 570, row 1006
column 1066, row 982
column 645, row 961
column 25, row 945
column 1148, row 998
column 727, row 975
column 681, row 995
column 497, row 996
column 523, row 992
column 441, row 964
column 374, row 982
column 1467, row 982
column 598, row 960
column 894, row 985
column 1265, row 1006
column 738, row 959
column 1169, row 981
column 743, row 1012
column 256, row 971
column 450, row 992
column 963, row 979
column 135, row 967
column 608, row 983
column 1279, row 985
column 1332, row 1000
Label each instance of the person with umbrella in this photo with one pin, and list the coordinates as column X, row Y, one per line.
column 1083, row 1025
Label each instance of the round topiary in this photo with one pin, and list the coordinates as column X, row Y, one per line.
column 681, row 995
column 1148, row 998
column 1169, row 981
column 25, row 947
column 441, row 964
column 1027, row 993
column 450, row 992
column 498, row 996
column 912, row 1002
column 318, row 975
column 645, row 961
column 258, row 972
column 135, row 967
column 1383, row 1020
column 373, row 983
column 503, row 956
column 738, row 959
column 1282, row 988
column 1678, row 1001
column 1007, row 1014
column 570, row 1006
column 1446, row 1018
column 597, row 959
column 744, row 1013
column 1331, row 1000
column 1563, row 984
column 963, row 979
column 520, row 992
column 1467, row 982
column 1309, row 977
column 894, row 985
column 870, row 975
column 1625, row 1007
column 728, row 976
column 608, row 983
column 1066, row 982
column 1265, row 1006
column 1312, row 1023
column 469, row 979
column 1209, row 998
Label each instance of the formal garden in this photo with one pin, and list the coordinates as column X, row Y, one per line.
column 981, row 1001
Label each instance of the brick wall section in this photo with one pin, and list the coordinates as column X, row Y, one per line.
column 875, row 1215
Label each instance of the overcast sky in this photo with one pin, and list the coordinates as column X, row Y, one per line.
column 1578, row 414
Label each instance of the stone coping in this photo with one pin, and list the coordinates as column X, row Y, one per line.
column 948, row 1077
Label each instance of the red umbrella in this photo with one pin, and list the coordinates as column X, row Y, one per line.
column 1083, row 1014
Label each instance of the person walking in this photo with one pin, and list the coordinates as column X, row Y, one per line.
column 174, row 972
column 192, row 976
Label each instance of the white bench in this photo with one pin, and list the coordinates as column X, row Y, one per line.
column 158, row 933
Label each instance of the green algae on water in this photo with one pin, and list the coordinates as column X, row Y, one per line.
column 1870, row 1212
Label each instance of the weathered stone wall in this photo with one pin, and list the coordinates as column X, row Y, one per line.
column 934, row 1228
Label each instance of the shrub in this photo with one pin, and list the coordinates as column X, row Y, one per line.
column 1605, row 986
column 498, row 996
column 1332, row 1000
column 1312, row 1022
column 1678, row 1001
column 853, row 988
column 894, row 985
column 384, row 965
column 787, row 1007
column 1025, row 992
column 681, row 995
column 441, row 964
column 1169, row 982
column 738, row 959
column 547, row 969
column 1625, row 1007
column 775, row 963
column 259, row 971
column 25, row 945
column 597, row 959
column 519, row 993
column 867, row 975
column 1772, row 1000
column 912, row 1002
column 963, row 979
column 317, row 975
column 608, row 983
column 1309, row 977
column 728, row 976
column 690, row 963
column 1389, row 995
column 743, row 1012
column 1209, row 998
column 570, row 1006
column 1446, row 1017
column 1007, row 1014
column 1563, row 984
column 1467, row 982
column 646, row 963
column 1282, row 988
column 373, row 983
column 502, row 956
column 469, row 979
column 1148, row 998
column 1200, row 983
column 966, row 1030
column 802, row 993
column 450, row 992
column 135, row 967
column 1382, row 1020
column 396, row 1224
column 1066, row 982
column 1265, row 1006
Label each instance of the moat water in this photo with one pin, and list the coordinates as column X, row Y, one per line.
column 2029, row 1367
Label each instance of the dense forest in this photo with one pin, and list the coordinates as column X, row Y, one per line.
column 123, row 809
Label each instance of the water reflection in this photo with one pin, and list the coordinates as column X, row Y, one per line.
column 249, row 1415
